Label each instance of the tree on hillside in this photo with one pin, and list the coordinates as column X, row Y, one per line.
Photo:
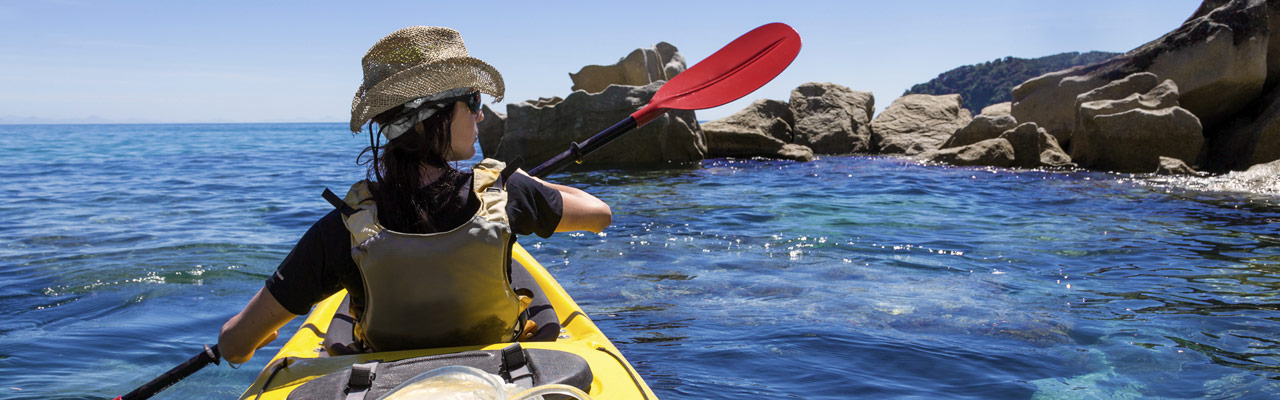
column 990, row 82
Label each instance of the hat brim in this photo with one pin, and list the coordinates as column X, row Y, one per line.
column 424, row 80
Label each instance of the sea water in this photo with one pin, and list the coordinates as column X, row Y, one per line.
column 123, row 248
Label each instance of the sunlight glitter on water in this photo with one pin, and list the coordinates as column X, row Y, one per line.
column 840, row 277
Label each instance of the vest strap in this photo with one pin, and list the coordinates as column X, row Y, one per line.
column 337, row 202
column 361, row 379
column 506, row 172
column 515, row 367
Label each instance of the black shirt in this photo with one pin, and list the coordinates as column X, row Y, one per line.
column 320, row 264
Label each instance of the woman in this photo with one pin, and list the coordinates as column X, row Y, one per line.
column 422, row 248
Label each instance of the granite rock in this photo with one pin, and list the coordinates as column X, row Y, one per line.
column 832, row 119
column 536, row 132
column 642, row 67
column 916, row 123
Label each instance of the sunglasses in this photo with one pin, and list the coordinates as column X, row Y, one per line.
column 472, row 99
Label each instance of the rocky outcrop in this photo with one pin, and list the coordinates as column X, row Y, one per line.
column 763, row 129
column 832, row 119
column 1173, row 166
column 996, row 152
column 916, row 123
column 1251, row 139
column 1134, row 140
column 741, row 143
column 1130, row 134
column 1218, row 59
column 642, row 67
column 490, row 130
column 538, row 132
column 1005, row 108
column 981, row 128
column 1033, row 147
column 1137, row 83
column 1049, row 100
column 768, row 117
column 1029, row 146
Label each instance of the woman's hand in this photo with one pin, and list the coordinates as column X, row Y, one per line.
column 254, row 327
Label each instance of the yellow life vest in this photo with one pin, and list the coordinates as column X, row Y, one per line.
column 438, row 289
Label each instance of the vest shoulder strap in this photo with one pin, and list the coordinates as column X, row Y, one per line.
column 489, row 182
column 359, row 213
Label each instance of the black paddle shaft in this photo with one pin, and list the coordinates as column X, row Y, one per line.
column 210, row 355
column 577, row 151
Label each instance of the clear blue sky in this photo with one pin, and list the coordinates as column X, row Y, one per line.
column 293, row 61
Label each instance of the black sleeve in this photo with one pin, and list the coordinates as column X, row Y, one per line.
column 532, row 207
column 314, row 269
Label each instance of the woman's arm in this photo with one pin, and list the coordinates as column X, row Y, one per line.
column 582, row 211
column 255, row 326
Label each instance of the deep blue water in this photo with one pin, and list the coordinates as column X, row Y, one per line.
column 125, row 247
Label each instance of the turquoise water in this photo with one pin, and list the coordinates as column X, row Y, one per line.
column 125, row 247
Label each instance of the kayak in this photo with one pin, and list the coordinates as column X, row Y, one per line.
column 580, row 356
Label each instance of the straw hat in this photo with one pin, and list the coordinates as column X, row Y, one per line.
column 415, row 62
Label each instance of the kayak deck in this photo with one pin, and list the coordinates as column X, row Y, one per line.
column 303, row 358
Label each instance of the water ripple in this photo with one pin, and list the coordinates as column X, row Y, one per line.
column 847, row 276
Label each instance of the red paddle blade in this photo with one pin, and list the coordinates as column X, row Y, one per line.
column 736, row 70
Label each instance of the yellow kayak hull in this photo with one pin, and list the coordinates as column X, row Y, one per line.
column 303, row 358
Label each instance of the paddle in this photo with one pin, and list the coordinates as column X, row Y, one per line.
column 209, row 355
column 737, row 69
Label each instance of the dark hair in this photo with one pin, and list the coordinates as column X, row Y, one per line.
column 395, row 170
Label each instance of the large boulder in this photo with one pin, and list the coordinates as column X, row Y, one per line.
column 1131, row 133
column 1049, row 101
column 1133, row 140
column 1218, row 58
column 832, row 119
column 982, row 127
column 916, row 123
column 1141, row 82
column 642, row 67
column 538, row 132
column 768, row 117
column 736, row 142
column 1005, row 108
column 1033, row 147
column 763, row 129
column 996, row 152
column 490, row 130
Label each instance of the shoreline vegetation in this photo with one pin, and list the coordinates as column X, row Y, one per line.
column 1202, row 99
